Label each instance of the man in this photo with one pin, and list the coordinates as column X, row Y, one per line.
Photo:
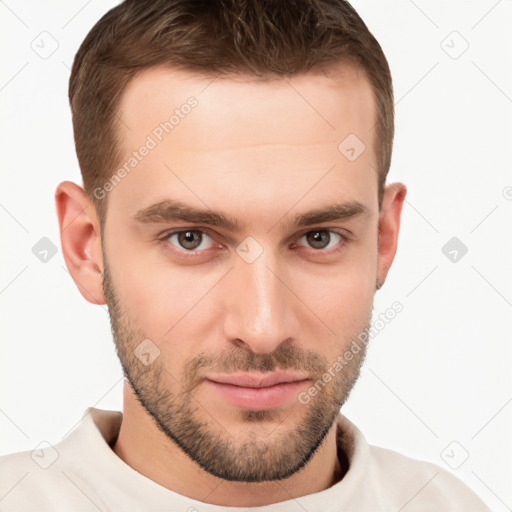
column 236, row 220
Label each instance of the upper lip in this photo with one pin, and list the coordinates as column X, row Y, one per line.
column 257, row 380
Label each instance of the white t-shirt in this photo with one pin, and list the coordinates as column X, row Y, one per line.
column 83, row 473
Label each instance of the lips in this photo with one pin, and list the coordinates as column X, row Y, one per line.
column 257, row 391
column 258, row 380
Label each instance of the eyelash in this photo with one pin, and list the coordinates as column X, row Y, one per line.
column 164, row 239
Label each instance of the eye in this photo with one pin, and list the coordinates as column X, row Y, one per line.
column 196, row 241
column 189, row 239
column 322, row 239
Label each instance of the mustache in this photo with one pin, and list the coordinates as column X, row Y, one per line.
column 284, row 357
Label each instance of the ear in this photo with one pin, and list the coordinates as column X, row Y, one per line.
column 80, row 240
column 389, row 226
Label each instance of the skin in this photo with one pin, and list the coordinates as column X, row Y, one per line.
column 260, row 152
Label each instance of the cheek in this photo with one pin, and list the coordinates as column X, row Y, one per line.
column 168, row 303
column 341, row 299
column 146, row 291
column 344, row 306
column 161, row 300
column 341, row 296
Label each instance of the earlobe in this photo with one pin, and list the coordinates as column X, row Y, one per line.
column 80, row 240
column 389, row 227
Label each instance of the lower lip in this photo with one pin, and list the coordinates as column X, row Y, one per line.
column 258, row 399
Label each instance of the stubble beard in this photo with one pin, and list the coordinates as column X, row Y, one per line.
column 192, row 425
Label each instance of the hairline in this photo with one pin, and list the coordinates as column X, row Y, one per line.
column 244, row 76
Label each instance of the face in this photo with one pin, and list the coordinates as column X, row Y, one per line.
column 240, row 260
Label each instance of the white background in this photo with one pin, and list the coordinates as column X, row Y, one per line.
column 438, row 373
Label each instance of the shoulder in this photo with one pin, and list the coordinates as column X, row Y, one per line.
column 25, row 477
column 421, row 484
column 50, row 477
column 386, row 480
column 36, row 481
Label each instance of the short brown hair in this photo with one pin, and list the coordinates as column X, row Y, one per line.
column 261, row 38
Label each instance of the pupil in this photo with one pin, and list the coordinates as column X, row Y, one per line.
column 189, row 238
column 319, row 239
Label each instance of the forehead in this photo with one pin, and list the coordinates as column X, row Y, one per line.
column 327, row 104
column 240, row 138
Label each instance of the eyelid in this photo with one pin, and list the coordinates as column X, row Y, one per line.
column 342, row 232
column 164, row 237
column 170, row 232
column 345, row 239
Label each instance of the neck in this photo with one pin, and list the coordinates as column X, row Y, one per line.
column 146, row 449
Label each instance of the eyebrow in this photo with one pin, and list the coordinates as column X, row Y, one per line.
column 172, row 210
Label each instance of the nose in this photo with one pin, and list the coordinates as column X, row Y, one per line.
column 260, row 308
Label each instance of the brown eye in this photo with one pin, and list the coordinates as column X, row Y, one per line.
column 190, row 240
column 322, row 239
column 318, row 239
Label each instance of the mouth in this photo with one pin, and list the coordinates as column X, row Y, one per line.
column 257, row 391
